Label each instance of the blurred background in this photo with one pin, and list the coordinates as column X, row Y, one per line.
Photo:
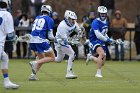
column 126, row 12
column 130, row 8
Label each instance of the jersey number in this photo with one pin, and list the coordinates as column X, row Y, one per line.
column 104, row 31
column 38, row 24
column 1, row 20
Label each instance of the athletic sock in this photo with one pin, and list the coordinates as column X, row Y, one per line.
column 6, row 78
column 69, row 67
column 98, row 71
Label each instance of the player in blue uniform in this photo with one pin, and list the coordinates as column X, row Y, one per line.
column 98, row 37
column 42, row 28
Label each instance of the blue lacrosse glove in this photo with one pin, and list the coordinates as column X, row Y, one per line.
column 109, row 41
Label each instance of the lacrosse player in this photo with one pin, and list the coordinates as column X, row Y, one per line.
column 66, row 29
column 42, row 28
column 98, row 37
column 6, row 29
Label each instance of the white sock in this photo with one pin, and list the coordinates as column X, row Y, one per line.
column 6, row 79
column 69, row 66
column 98, row 71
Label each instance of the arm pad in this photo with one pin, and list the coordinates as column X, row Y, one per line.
column 100, row 36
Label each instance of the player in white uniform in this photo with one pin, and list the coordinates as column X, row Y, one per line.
column 6, row 30
column 66, row 29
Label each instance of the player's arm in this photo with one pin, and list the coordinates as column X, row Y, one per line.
column 61, row 30
column 78, row 35
column 106, row 35
column 74, row 31
column 50, row 35
column 9, row 27
column 50, row 31
column 99, row 35
column 79, row 31
column 104, row 38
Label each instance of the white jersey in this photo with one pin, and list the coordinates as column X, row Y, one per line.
column 6, row 25
column 64, row 31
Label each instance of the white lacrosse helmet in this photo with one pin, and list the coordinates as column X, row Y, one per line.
column 46, row 8
column 70, row 14
column 8, row 2
column 102, row 9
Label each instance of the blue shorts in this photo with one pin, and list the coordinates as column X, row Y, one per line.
column 95, row 45
column 40, row 47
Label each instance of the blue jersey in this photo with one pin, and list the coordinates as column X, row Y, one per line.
column 102, row 27
column 42, row 25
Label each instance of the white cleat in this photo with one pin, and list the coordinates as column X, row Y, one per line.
column 33, row 77
column 71, row 75
column 88, row 59
column 33, row 65
column 10, row 85
column 98, row 76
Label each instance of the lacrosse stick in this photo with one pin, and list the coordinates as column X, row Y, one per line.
column 74, row 42
column 31, row 39
column 118, row 41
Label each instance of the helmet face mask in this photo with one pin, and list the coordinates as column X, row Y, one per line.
column 103, row 16
column 102, row 12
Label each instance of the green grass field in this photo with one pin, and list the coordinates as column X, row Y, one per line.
column 119, row 77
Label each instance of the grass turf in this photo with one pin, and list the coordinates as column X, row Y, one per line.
column 119, row 77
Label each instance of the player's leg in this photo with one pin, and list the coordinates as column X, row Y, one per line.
column 92, row 55
column 4, row 68
column 60, row 54
column 43, row 58
column 45, row 54
column 99, row 61
column 69, row 51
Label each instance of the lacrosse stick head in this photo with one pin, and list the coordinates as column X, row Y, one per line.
column 25, row 38
column 128, row 44
column 118, row 41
